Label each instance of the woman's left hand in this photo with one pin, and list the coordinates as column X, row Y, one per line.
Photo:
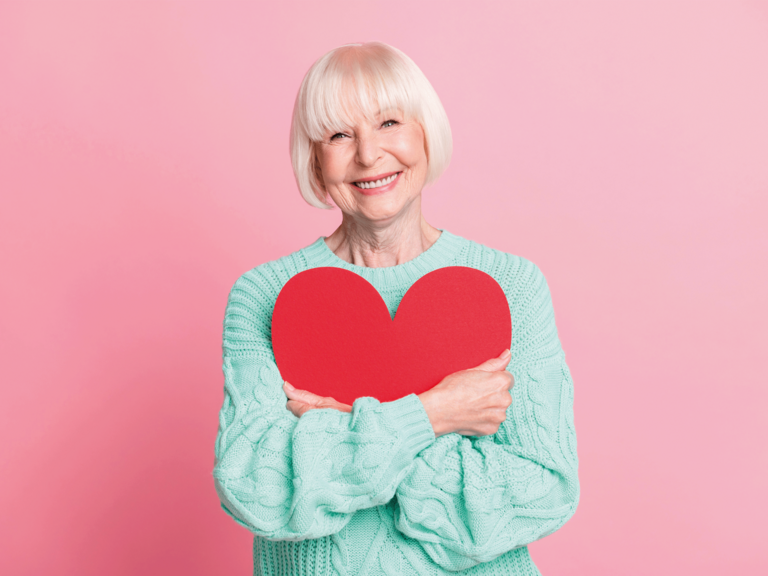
column 300, row 401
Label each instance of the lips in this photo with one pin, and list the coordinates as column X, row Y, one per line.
column 377, row 182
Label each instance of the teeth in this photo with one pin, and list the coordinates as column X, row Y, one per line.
column 377, row 183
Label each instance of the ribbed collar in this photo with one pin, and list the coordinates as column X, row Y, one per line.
column 441, row 253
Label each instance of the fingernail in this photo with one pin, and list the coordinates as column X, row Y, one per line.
column 505, row 354
column 288, row 386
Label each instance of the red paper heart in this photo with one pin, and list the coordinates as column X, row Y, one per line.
column 332, row 333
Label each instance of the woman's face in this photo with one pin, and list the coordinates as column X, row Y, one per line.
column 375, row 170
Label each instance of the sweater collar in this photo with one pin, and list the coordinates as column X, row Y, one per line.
column 446, row 248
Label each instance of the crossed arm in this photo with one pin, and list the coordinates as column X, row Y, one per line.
column 465, row 498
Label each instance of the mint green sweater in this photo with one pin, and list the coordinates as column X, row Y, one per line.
column 373, row 492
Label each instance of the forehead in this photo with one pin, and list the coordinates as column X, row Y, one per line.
column 342, row 101
column 369, row 115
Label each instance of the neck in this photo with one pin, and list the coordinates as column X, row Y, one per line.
column 374, row 245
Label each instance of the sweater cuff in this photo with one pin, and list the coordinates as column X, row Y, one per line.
column 408, row 417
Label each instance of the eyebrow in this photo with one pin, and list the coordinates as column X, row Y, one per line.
column 388, row 111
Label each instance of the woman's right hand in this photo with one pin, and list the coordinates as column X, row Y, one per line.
column 471, row 402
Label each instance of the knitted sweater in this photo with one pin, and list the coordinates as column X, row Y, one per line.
column 373, row 492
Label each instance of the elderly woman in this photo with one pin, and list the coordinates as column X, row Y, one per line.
column 459, row 478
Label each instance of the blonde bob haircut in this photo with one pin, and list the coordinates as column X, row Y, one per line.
column 363, row 79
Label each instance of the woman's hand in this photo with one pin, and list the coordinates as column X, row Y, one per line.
column 471, row 402
column 299, row 401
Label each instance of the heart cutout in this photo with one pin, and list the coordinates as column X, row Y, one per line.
column 333, row 335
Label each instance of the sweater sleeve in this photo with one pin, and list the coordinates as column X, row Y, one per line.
column 288, row 478
column 467, row 500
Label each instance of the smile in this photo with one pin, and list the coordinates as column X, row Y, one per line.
column 378, row 183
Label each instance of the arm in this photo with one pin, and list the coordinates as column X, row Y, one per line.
column 470, row 499
column 286, row 478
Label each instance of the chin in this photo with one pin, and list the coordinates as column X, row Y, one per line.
column 385, row 213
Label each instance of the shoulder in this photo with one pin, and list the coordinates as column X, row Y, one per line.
column 265, row 281
column 518, row 277
column 534, row 334
column 522, row 281
column 252, row 298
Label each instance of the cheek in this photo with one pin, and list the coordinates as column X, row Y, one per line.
column 331, row 166
column 412, row 150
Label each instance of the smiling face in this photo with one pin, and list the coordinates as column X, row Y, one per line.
column 376, row 169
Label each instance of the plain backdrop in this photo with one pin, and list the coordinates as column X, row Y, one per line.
column 621, row 146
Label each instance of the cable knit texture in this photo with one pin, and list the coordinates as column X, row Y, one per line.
column 373, row 492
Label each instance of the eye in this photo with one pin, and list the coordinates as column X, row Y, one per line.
column 338, row 135
column 389, row 123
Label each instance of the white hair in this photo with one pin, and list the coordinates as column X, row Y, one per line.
column 363, row 78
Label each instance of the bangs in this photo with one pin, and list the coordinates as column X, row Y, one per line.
column 351, row 83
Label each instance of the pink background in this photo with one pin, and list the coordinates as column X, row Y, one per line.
column 622, row 146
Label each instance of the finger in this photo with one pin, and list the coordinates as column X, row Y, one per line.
column 505, row 380
column 299, row 408
column 296, row 408
column 301, row 395
column 495, row 363
column 335, row 404
column 332, row 403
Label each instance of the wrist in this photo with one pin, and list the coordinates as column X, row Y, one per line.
column 408, row 417
column 432, row 407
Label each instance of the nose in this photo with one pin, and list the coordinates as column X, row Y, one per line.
column 368, row 150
